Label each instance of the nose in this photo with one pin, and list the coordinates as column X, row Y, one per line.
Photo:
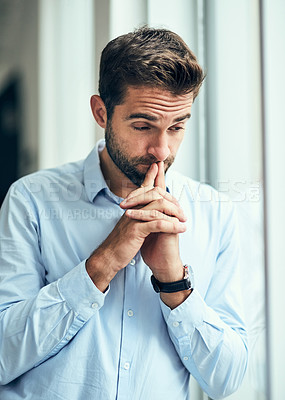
column 159, row 146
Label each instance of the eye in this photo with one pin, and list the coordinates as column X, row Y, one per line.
column 141, row 128
column 176, row 128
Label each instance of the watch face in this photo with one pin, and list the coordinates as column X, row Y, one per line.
column 187, row 283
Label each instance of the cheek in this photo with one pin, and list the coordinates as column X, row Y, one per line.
column 133, row 146
column 138, row 144
column 175, row 142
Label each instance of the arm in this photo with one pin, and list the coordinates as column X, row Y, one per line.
column 212, row 350
column 209, row 334
column 36, row 321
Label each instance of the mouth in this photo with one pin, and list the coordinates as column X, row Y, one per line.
column 142, row 166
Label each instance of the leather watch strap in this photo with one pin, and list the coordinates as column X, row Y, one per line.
column 172, row 287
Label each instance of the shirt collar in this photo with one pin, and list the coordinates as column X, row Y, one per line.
column 93, row 178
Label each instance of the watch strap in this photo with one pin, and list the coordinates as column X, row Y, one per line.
column 172, row 287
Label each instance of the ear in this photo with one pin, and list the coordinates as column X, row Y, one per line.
column 99, row 110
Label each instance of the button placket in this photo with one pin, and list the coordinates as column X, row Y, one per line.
column 129, row 328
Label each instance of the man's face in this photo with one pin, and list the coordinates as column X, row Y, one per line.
column 148, row 127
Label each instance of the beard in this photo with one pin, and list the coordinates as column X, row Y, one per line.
column 126, row 164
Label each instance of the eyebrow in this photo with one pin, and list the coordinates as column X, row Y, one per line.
column 152, row 118
column 179, row 119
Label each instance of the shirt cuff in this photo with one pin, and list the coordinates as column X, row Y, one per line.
column 80, row 293
column 189, row 315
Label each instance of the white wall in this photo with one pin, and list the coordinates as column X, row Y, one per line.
column 66, row 80
column 274, row 124
column 234, row 144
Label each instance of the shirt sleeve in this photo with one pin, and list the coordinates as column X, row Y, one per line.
column 209, row 333
column 36, row 319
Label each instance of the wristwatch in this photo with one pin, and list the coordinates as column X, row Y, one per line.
column 186, row 283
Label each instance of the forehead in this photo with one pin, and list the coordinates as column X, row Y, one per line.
column 155, row 101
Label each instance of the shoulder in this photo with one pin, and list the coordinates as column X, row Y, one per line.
column 200, row 198
column 47, row 182
column 179, row 184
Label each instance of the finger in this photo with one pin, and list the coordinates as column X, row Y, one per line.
column 149, row 215
column 160, row 179
column 168, row 208
column 147, row 184
column 153, row 221
column 145, row 195
column 162, row 226
column 140, row 192
column 150, row 176
column 141, row 198
column 163, row 206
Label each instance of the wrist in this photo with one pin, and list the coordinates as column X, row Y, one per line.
column 175, row 292
column 100, row 270
column 173, row 300
column 173, row 286
column 169, row 274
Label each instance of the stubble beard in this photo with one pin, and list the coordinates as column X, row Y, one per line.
column 129, row 165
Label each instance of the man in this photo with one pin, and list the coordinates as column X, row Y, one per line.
column 97, row 291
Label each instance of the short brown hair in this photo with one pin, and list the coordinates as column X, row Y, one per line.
column 147, row 57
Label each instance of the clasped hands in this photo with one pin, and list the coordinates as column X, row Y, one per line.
column 151, row 223
column 160, row 219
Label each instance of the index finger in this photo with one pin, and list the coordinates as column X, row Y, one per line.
column 160, row 180
column 150, row 176
column 147, row 184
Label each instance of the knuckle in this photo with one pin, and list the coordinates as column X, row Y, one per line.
column 154, row 214
column 175, row 221
column 139, row 213
column 160, row 224
column 155, row 193
column 160, row 201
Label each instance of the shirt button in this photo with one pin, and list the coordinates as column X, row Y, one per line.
column 132, row 262
column 95, row 305
column 68, row 337
column 175, row 324
column 185, row 358
column 130, row 313
column 126, row 365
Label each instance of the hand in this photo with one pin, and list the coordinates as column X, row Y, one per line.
column 160, row 250
column 129, row 234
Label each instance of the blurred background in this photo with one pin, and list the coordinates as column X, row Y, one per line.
column 49, row 56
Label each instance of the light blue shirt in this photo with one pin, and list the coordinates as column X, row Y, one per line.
column 62, row 339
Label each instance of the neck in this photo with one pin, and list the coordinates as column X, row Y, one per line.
column 117, row 182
